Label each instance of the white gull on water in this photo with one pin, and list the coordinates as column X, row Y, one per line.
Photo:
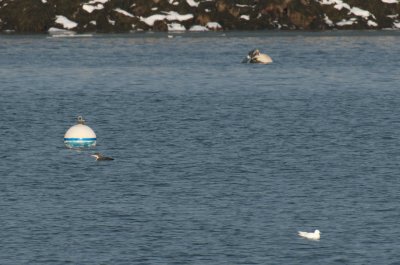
column 313, row 236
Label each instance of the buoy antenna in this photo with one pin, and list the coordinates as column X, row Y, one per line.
column 81, row 120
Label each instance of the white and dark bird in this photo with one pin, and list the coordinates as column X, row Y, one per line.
column 100, row 157
column 313, row 236
column 255, row 56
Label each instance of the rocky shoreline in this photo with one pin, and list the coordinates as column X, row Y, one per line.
column 103, row 16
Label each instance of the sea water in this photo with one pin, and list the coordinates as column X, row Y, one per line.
column 216, row 162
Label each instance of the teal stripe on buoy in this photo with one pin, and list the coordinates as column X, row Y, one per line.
column 83, row 143
column 77, row 139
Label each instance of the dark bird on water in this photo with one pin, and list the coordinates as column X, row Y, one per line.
column 100, row 157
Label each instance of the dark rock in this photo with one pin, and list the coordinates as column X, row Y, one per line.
column 26, row 16
column 160, row 25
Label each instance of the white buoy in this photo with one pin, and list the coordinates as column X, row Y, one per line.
column 80, row 135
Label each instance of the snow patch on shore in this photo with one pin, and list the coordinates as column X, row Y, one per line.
column 65, row 22
column 54, row 30
column 94, row 5
column 198, row 28
column 339, row 5
column 98, row 1
column 112, row 22
column 345, row 22
column 361, row 13
column 123, row 12
column 63, row 33
column 328, row 21
column 172, row 2
column 192, row 3
column 91, row 8
column 176, row 27
column 390, row 1
column 170, row 16
column 214, row 26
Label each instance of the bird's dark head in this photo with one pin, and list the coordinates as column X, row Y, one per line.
column 253, row 53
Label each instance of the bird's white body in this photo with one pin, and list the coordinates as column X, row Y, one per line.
column 262, row 58
column 313, row 236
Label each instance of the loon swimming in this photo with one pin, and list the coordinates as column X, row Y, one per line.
column 254, row 56
column 100, row 157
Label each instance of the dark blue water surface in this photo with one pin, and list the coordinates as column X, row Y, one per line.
column 216, row 162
